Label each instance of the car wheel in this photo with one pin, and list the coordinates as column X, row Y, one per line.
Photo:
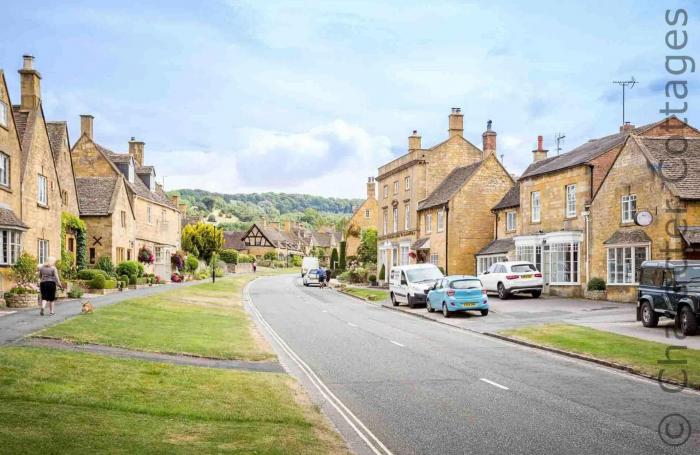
column 445, row 311
column 689, row 323
column 502, row 293
column 410, row 302
column 485, row 312
column 536, row 294
column 393, row 300
column 649, row 316
column 429, row 307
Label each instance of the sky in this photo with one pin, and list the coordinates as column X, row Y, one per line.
column 311, row 97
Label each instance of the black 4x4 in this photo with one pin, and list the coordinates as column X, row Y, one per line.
column 671, row 289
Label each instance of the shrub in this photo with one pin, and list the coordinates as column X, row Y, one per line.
column 110, row 284
column 372, row 278
column 75, row 292
column 229, row 256
column 344, row 277
column 90, row 274
column 191, row 264
column 296, row 261
column 24, row 271
column 105, row 264
column 140, row 268
column 132, row 280
column 270, row 256
column 98, row 282
column 128, row 268
column 279, row 264
column 175, row 278
column 246, row 258
column 358, row 275
column 211, row 218
column 334, row 258
column 382, row 273
column 65, row 265
column 596, row 284
column 219, row 272
column 342, row 260
column 125, row 279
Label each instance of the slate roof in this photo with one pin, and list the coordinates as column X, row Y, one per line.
column 137, row 186
column 323, row 239
column 627, row 237
column 20, row 121
column 9, row 219
column 144, row 169
column 57, row 136
column 234, row 239
column 681, row 171
column 583, row 153
column 691, row 234
column 449, row 186
column 511, row 199
column 95, row 195
column 498, row 246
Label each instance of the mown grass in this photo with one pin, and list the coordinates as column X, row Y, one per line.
column 375, row 295
column 207, row 320
column 644, row 356
column 64, row 402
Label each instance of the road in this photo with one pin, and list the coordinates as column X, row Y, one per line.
column 424, row 388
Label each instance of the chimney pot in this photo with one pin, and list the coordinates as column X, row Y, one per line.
column 539, row 143
column 540, row 153
column 371, row 188
column 86, row 125
column 28, row 62
column 456, row 122
column 489, row 140
column 626, row 127
column 30, row 84
column 414, row 141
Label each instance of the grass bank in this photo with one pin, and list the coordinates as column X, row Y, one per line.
column 374, row 295
column 643, row 356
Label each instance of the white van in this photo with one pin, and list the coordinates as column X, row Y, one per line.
column 307, row 264
column 408, row 283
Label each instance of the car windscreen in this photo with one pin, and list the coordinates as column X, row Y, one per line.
column 426, row 274
column 466, row 284
column 313, row 272
column 687, row 274
column 523, row 268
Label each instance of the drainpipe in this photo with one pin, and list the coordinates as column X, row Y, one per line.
column 447, row 238
column 586, row 217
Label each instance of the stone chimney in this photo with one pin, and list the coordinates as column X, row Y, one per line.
column 626, row 127
column 539, row 154
column 86, row 125
column 371, row 188
column 414, row 141
column 489, row 138
column 182, row 207
column 136, row 150
column 30, row 84
column 456, row 122
column 175, row 200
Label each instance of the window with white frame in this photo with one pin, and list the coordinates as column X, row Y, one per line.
column 530, row 253
column 428, row 223
column 396, row 187
column 510, row 221
column 386, row 191
column 368, row 213
column 407, row 216
column 629, row 208
column 149, row 215
column 3, row 113
column 563, row 263
column 42, row 250
column 396, row 219
column 386, row 222
column 407, row 183
column 4, row 169
column 440, row 220
column 434, row 259
column 483, row 263
column 10, row 246
column 535, row 206
column 159, row 254
column 625, row 263
column 404, row 255
column 42, row 190
column 570, row 201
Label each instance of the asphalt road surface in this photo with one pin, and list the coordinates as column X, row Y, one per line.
column 394, row 383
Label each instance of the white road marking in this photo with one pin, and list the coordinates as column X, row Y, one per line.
column 351, row 324
column 324, row 311
column 397, row 343
column 356, row 424
column 494, row 384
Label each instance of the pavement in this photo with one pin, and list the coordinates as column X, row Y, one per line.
column 393, row 383
column 620, row 318
column 16, row 323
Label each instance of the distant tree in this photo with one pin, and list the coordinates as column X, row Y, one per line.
column 367, row 251
column 334, row 258
column 341, row 259
column 211, row 217
column 202, row 240
column 208, row 202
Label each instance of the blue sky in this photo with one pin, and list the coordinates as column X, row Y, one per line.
column 241, row 96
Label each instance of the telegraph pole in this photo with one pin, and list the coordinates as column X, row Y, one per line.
column 624, row 84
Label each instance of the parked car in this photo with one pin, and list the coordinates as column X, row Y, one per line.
column 308, row 263
column 311, row 277
column 670, row 289
column 408, row 283
column 458, row 293
column 507, row 278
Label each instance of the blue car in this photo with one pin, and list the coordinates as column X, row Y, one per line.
column 458, row 293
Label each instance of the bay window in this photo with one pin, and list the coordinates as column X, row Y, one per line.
column 483, row 263
column 625, row 262
column 563, row 263
column 10, row 246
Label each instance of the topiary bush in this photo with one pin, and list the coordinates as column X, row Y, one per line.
column 297, row 261
column 129, row 268
column 98, row 282
column 382, row 273
column 596, row 284
column 229, row 256
column 75, row 292
column 132, row 280
column 110, row 284
column 105, row 264
column 90, row 274
column 372, row 278
column 191, row 264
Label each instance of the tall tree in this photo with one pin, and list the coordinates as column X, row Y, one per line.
column 202, row 240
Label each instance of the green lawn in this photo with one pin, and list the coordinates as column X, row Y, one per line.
column 55, row 401
column 642, row 355
column 375, row 295
column 205, row 319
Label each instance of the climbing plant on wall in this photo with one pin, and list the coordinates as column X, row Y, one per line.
column 70, row 222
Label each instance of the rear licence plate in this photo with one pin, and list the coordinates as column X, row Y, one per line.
column 525, row 276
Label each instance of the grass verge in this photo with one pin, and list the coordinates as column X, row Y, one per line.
column 207, row 320
column 63, row 402
column 641, row 355
column 374, row 295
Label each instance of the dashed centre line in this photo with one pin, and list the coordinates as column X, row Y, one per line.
column 397, row 343
column 352, row 325
column 494, row 384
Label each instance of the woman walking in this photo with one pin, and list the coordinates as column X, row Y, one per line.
column 48, row 281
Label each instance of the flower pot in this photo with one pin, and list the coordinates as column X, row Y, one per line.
column 21, row 300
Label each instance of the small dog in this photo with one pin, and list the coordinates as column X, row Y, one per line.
column 87, row 308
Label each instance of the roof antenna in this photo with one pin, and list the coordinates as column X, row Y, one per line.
column 559, row 138
column 631, row 83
